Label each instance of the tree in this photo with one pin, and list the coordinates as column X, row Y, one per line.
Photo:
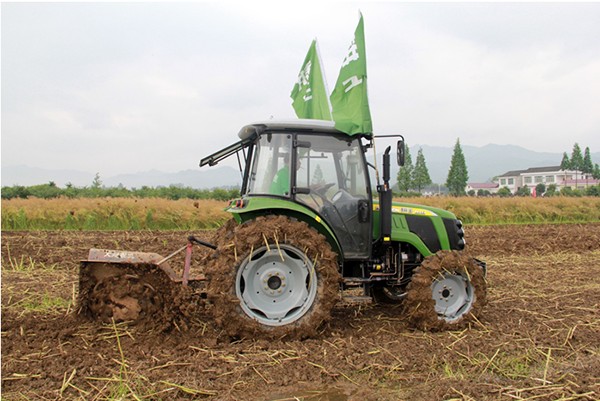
column 421, row 176
column 458, row 174
column 318, row 176
column 504, row 192
column 588, row 167
column 576, row 160
column 96, row 189
column 540, row 189
column 97, row 182
column 565, row 164
column 551, row 190
column 596, row 172
column 405, row 174
column 523, row 191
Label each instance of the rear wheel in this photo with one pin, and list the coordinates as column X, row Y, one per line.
column 447, row 291
column 274, row 277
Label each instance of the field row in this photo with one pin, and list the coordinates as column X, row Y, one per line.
column 537, row 338
column 184, row 214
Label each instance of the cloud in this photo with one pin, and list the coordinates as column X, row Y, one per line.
column 125, row 87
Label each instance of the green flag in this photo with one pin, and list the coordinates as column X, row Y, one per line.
column 349, row 98
column 309, row 94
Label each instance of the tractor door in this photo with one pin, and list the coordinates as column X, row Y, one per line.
column 331, row 179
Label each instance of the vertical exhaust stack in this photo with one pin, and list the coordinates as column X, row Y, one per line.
column 385, row 201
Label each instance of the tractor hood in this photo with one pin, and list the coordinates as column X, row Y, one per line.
column 416, row 210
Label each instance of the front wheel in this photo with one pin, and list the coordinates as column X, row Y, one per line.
column 273, row 277
column 447, row 291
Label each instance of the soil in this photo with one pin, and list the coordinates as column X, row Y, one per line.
column 538, row 336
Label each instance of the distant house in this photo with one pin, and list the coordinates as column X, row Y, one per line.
column 511, row 180
column 533, row 176
column 581, row 183
column 491, row 187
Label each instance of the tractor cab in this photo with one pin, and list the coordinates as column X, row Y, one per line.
column 311, row 164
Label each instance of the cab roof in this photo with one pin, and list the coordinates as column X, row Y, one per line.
column 321, row 126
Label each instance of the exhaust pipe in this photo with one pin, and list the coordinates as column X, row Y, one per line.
column 385, row 201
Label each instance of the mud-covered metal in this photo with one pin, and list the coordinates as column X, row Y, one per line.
column 99, row 259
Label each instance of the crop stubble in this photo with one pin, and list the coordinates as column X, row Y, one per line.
column 539, row 335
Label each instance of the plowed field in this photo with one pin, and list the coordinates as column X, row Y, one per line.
column 538, row 337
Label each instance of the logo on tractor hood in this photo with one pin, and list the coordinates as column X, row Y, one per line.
column 417, row 211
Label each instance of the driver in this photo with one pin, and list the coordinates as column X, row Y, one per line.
column 281, row 182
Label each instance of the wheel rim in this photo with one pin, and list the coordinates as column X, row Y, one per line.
column 454, row 296
column 276, row 285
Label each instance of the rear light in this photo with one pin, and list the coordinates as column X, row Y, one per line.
column 238, row 203
column 461, row 235
column 456, row 234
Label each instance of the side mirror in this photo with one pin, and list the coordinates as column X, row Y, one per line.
column 400, row 152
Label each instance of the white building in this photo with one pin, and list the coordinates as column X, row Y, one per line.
column 531, row 177
column 491, row 187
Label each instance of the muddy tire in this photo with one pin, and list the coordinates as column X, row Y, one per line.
column 387, row 295
column 447, row 292
column 272, row 277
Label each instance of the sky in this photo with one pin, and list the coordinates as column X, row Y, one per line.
column 129, row 87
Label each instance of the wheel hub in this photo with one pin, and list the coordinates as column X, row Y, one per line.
column 276, row 286
column 274, row 282
column 453, row 295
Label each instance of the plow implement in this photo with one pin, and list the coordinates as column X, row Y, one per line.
column 132, row 286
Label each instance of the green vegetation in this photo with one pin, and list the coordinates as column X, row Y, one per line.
column 421, row 176
column 96, row 190
column 405, row 174
column 580, row 162
column 413, row 177
column 458, row 174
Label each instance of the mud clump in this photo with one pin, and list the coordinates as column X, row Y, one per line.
column 140, row 294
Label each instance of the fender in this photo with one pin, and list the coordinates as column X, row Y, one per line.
column 248, row 208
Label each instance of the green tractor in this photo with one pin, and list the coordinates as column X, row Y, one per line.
column 307, row 224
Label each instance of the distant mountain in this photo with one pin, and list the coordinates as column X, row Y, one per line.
column 223, row 176
column 483, row 163
column 27, row 176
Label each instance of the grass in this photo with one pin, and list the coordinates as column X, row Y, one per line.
column 45, row 302
column 490, row 211
column 185, row 214
column 111, row 214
